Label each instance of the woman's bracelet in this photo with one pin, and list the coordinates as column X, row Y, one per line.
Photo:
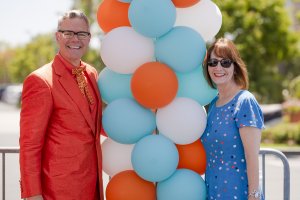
column 256, row 194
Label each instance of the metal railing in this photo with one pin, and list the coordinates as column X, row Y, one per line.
column 4, row 151
column 286, row 170
column 263, row 152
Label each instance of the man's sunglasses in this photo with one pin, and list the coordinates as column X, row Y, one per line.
column 226, row 63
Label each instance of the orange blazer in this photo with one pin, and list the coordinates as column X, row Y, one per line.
column 60, row 153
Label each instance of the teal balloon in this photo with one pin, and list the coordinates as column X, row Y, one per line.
column 194, row 85
column 154, row 158
column 113, row 85
column 152, row 18
column 126, row 122
column 182, row 48
column 183, row 184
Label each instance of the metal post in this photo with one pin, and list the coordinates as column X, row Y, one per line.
column 3, row 176
column 264, row 174
column 3, row 151
column 263, row 152
column 286, row 169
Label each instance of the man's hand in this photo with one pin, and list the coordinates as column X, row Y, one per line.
column 38, row 197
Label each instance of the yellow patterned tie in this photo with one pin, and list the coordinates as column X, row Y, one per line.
column 82, row 84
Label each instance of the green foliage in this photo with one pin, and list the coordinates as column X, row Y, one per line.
column 93, row 58
column 282, row 133
column 298, row 16
column 292, row 109
column 16, row 63
column 31, row 56
column 294, row 88
column 89, row 7
column 5, row 57
column 261, row 30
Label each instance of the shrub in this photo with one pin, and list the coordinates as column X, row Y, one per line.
column 282, row 133
column 294, row 88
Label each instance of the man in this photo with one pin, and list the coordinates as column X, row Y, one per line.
column 60, row 154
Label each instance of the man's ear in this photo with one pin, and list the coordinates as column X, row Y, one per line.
column 57, row 36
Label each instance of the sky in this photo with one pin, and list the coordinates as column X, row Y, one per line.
column 20, row 20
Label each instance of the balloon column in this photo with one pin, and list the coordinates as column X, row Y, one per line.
column 155, row 90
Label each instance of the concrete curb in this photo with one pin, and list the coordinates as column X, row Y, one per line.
column 288, row 153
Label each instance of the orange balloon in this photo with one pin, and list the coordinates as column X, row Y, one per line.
column 154, row 85
column 192, row 156
column 112, row 14
column 127, row 185
column 184, row 3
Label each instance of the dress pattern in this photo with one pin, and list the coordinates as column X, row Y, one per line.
column 226, row 173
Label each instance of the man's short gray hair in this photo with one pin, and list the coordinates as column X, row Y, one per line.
column 73, row 14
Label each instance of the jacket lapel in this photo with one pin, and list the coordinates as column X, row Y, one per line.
column 69, row 84
column 95, row 88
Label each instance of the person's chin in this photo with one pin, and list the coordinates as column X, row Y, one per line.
column 220, row 82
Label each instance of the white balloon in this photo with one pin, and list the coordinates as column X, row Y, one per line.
column 183, row 120
column 123, row 50
column 205, row 17
column 116, row 157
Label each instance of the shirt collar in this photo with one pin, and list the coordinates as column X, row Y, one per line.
column 68, row 65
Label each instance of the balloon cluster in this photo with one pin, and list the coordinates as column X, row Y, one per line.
column 155, row 90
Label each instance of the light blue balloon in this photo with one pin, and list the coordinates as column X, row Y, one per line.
column 194, row 85
column 154, row 158
column 183, row 184
column 182, row 48
column 113, row 85
column 126, row 122
column 152, row 18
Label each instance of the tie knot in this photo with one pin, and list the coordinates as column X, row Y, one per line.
column 78, row 70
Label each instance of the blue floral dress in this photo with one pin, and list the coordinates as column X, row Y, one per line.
column 226, row 173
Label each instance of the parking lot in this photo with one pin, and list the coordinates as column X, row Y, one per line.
column 11, row 93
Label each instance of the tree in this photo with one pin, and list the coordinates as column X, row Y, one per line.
column 16, row 63
column 5, row 56
column 36, row 53
column 93, row 57
column 261, row 30
column 89, row 7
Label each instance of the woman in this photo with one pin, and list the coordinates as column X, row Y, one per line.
column 233, row 132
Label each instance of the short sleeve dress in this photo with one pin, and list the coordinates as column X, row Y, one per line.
column 226, row 173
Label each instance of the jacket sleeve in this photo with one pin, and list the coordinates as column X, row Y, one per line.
column 36, row 108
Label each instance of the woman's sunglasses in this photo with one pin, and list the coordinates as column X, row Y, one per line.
column 226, row 63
